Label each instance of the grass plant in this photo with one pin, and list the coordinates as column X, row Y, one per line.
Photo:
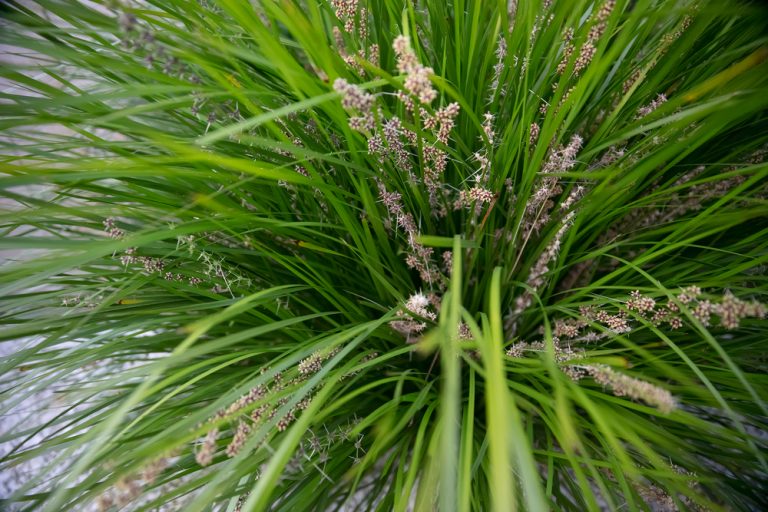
column 384, row 255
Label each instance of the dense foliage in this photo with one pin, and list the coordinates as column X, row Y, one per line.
column 384, row 255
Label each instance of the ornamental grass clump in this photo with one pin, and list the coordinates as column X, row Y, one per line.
column 384, row 255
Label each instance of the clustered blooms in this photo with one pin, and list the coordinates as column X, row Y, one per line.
column 731, row 311
column 570, row 331
column 537, row 215
column 346, row 10
column 488, row 127
column 130, row 487
column 426, row 307
column 437, row 161
column 563, row 158
column 419, row 305
column 624, row 385
column 566, row 356
column 534, row 134
column 389, row 137
column 659, row 500
column 258, row 404
column 640, row 303
column 498, row 68
column 511, row 11
column 129, row 257
column 393, row 132
column 519, row 348
column 208, row 447
column 620, row 384
column 445, row 120
column 476, row 194
column 207, row 450
column 314, row 362
column 112, row 230
column 548, row 186
column 597, row 30
column 575, row 194
column 212, row 268
column 370, row 52
column 536, row 276
column 205, row 454
column 354, row 98
column 539, row 21
column 567, row 50
column 419, row 256
column 480, row 194
column 653, row 105
column 464, row 333
column 239, row 439
column 417, row 76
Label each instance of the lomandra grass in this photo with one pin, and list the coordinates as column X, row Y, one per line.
column 384, row 255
